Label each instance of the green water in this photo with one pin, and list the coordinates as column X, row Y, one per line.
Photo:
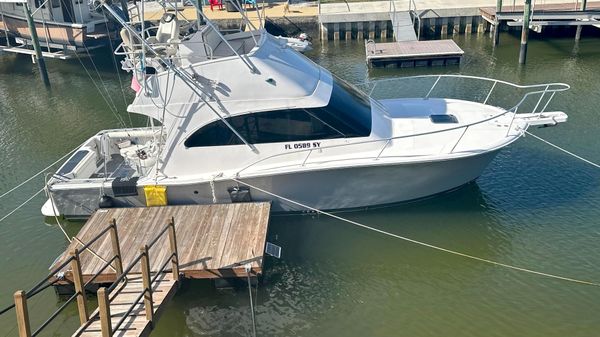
column 533, row 207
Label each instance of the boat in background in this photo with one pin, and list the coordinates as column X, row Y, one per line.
column 60, row 24
column 301, row 43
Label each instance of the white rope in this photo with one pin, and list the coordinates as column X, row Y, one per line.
column 500, row 264
column 21, row 205
column 563, row 150
column 35, row 175
column 77, row 240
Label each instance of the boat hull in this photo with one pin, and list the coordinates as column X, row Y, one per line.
column 331, row 189
column 347, row 188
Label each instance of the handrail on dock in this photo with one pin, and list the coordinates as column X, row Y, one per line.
column 143, row 257
column 21, row 297
column 412, row 10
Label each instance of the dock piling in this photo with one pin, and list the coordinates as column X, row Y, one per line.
column 173, row 245
column 116, row 247
column 525, row 32
column 22, row 314
column 36, row 45
column 497, row 23
column 104, row 311
column 79, row 287
column 579, row 28
column 147, row 284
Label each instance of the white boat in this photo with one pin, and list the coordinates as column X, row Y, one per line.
column 300, row 44
column 249, row 111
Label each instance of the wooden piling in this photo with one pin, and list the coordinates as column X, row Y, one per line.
column 348, row 31
column 497, row 23
column 116, row 247
column 444, row 32
column 579, row 28
column 173, row 244
column 148, row 305
column 39, row 58
column 104, row 311
column 525, row 32
column 336, row 31
column 79, row 287
column 324, row 32
column 360, row 34
column 20, row 298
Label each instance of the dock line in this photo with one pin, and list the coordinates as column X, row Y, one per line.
column 35, row 175
column 563, row 150
column 424, row 244
column 21, row 205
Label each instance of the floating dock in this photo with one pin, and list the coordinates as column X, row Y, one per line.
column 413, row 53
column 134, row 258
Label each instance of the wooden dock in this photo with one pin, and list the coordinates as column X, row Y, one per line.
column 137, row 257
column 214, row 241
column 413, row 53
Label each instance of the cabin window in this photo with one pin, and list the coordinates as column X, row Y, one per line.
column 348, row 114
column 55, row 3
column 38, row 3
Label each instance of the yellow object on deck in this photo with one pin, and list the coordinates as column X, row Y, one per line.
column 156, row 195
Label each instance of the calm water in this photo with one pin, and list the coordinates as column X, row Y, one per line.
column 533, row 207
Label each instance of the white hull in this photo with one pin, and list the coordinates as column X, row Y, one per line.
column 348, row 188
column 344, row 188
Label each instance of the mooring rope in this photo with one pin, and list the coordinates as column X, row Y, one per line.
column 76, row 239
column 35, row 175
column 21, row 205
column 563, row 150
column 420, row 243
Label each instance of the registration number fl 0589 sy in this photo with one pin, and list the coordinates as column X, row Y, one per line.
column 303, row 145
